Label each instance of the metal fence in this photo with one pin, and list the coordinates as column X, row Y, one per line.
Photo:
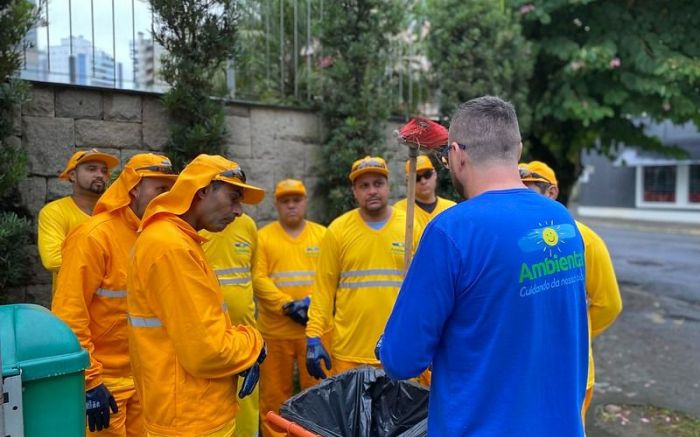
column 108, row 43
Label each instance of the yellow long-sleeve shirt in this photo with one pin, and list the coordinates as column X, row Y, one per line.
column 283, row 271
column 184, row 350
column 422, row 217
column 604, row 301
column 230, row 254
column 56, row 220
column 91, row 291
column 358, row 278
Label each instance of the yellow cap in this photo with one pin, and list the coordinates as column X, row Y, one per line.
column 289, row 186
column 82, row 156
column 368, row 164
column 199, row 173
column 422, row 163
column 537, row 171
column 142, row 165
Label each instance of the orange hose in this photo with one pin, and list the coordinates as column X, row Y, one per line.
column 291, row 428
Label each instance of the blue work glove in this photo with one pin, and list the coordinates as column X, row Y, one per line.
column 378, row 347
column 315, row 352
column 98, row 402
column 252, row 375
column 298, row 310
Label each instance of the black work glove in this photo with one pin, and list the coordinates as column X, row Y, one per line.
column 98, row 402
column 315, row 352
column 252, row 375
column 298, row 310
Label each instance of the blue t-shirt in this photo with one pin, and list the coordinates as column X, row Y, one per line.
column 495, row 300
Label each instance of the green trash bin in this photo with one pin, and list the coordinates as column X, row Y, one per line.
column 43, row 373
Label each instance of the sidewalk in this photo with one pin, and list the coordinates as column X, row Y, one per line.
column 661, row 227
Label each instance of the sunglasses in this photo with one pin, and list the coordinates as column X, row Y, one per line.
column 525, row 173
column 370, row 163
column 444, row 154
column 425, row 175
column 236, row 173
column 158, row 168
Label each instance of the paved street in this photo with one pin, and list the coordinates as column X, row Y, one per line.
column 652, row 353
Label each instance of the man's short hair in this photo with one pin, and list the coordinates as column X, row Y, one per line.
column 488, row 127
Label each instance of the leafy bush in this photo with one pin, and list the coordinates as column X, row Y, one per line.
column 15, row 254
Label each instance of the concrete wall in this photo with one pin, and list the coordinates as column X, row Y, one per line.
column 606, row 184
column 270, row 143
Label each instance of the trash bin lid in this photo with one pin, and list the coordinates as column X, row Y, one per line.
column 38, row 343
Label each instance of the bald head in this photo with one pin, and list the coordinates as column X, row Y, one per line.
column 488, row 127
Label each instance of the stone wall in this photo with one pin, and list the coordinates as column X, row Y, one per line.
column 270, row 143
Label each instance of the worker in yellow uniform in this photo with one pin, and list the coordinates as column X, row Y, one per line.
column 88, row 173
column 230, row 253
column 428, row 203
column 283, row 278
column 359, row 274
column 186, row 354
column 91, row 292
column 603, row 293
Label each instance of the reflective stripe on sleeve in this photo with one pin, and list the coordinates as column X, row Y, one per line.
column 145, row 322
column 112, row 294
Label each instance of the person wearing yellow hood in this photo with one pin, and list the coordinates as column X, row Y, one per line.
column 90, row 292
column 88, row 173
column 185, row 352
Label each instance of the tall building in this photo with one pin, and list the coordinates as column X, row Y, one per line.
column 147, row 54
column 75, row 63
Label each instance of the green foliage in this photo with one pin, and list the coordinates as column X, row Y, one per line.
column 199, row 36
column 266, row 68
column 601, row 66
column 16, row 18
column 476, row 48
column 354, row 95
column 15, row 254
column 13, row 158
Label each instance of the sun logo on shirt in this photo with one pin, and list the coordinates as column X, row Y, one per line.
column 547, row 237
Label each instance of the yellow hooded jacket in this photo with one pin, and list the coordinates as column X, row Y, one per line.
column 284, row 270
column 185, row 352
column 358, row 279
column 91, row 287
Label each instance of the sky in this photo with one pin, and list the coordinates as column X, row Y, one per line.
column 126, row 25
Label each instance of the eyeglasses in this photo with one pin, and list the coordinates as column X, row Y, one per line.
column 158, row 168
column 86, row 153
column 444, row 153
column 369, row 163
column 236, row 173
column 425, row 175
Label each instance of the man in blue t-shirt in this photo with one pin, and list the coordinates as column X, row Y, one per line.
column 494, row 298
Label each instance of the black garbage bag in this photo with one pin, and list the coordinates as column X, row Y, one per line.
column 362, row 402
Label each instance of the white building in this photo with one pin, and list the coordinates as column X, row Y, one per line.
column 147, row 54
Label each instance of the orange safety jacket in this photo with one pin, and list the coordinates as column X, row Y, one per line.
column 91, row 291
column 184, row 350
